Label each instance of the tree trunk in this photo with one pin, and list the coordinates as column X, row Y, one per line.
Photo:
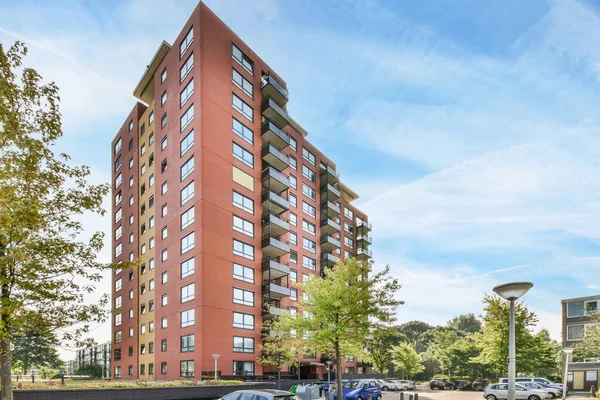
column 279, row 378
column 5, row 375
column 338, row 371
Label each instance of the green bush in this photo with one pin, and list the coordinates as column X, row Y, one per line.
column 222, row 383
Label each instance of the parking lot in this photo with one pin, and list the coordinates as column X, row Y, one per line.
column 426, row 394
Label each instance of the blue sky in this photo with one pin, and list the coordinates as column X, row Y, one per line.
column 469, row 128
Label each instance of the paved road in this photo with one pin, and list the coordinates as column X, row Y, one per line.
column 427, row 394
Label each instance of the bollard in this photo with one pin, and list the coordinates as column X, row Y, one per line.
column 416, row 396
column 62, row 378
column 32, row 378
column 401, row 395
column 410, row 397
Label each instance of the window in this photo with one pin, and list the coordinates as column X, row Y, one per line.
column 118, row 145
column 163, row 367
column 293, row 181
column 118, row 215
column 242, row 83
column 151, row 308
column 163, row 98
column 243, row 155
column 309, row 173
column 164, row 300
column 187, row 193
column 118, row 198
column 118, row 284
column 151, row 181
column 187, row 218
column 293, row 162
column 119, row 232
column 243, row 226
column 243, row 344
column 186, row 42
column 143, row 128
column 143, row 149
column 575, row 332
column 309, row 245
column 309, row 227
column 163, row 323
column 151, row 116
column 151, row 223
column 186, row 93
column 347, row 254
column 243, row 273
column 130, row 347
column 117, row 370
column 187, row 318
column 186, row 118
column 308, row 209
column 187, row 268
column 244, row 108
column 164, row 255
column 591, row 376
column 309, row 192
column 348, row 242
column 118, row 337
column 581, row 308
column 243, row 368
column 131, row 163
column 131, row 238
column 187, row 293
column 163, row 143
column 151, row 284
column 151, row 366
column 151, row 136
column 143, row 248
column 308, row 156
column 118, row 163
column 293, row 257
column 243, row 131
column 243, row 250
column 293, row 144
column 187, row 143
column 242, row 59
column 164, row 210
column 186, row 369
column 164, row 187
column 131, row 181
column 187, row 168
column 293, row 238
column 130, row 144
column 130, row 125
column 309, row 263
column 186, row 68
column 118, row 250
column 243, row 321
column 163, row 120
column 187, row 343
column 187, row 243
column 349, row 228
column 130, row 294
column 294, row 275
column 163, row 75
column 293, row 219
column 243, row 202
column 119, row 180
column 244, row 297
column 348, row 213
column 118, row 318
column 143, row 330
column 151, row 242
column 294, row 294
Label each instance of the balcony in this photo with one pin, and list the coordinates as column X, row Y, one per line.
column 274, row 112
column 328, row 260
column 271, row 87
column 274, row 157
column 272, row 270
column 330, row 209
column 271, row 311
column 274, row 202
column 274, row 225
column 329, row 226
column 271, row 133
column 274, row 180
column 363, row 239
column 330, row 192
column 363, row 254
column 329, row 175
column 364, row 226
column 329, row 243
column 273, row 247
column 275, row 291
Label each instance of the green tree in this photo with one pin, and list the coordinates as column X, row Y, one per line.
column 407, row 360
column 467, row 323
column 413, row 330
column 278, row 349
column 92, row 370
column 439, row 350
column 35, row 349
column 379, row 349
column 46, row 270
column 342, row 309
column 590, row 346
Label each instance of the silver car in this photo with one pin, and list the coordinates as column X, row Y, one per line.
column 499, row 391
column 260, row 394
column 552, row 391
column 405, row 385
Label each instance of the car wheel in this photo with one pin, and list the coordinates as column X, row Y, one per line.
column 378, row 397
column 490, row 397
column 385, row 388
column 359, row 398
column 552, row 395
column 534, row 397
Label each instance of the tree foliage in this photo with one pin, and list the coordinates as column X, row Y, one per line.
column 413, row 330
column 467, row 323
column 343, row 309
column 35, row 349
column 590, row 346
column 93, row 370
column 379, row 348
column 46, row 269
column 407, row 360
column 278, row 349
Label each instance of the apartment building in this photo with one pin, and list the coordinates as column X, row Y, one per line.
column 219, row 193
column 576, row 316
column 99, row 355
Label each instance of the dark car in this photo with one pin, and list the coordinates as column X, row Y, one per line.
column 440, row 383
column 462, row 385
column 480, row 384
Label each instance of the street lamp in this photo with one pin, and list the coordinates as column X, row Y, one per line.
column 216, row 357
column 568, row 351
column 328, row 371
column 511, row 292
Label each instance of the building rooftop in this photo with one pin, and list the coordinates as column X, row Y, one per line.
column 596, row 297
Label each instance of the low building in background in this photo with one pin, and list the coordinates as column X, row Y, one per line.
column 71, row 367
column 576, row 315
column 99, row 354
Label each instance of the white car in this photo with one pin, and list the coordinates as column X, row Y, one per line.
column 499, row 391
column 404, row 385
column 387, row 385
column 552, row 391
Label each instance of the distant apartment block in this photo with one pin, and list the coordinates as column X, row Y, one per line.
column 219, row 192
column 583, row 374
column 71, row 366
column 99, row 355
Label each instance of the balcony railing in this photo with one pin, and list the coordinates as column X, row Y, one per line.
column 329, row 226
column 364, row 226
column 363, row 254
column 271, row 133
column 330, row 192
column 274, row 202
column 330, row 209
column 273, row 88
column 273, row 247
column 329, row 243
column 273, row 224
column 271, row 311
column 364, row 238
column 274, row 112
column 329, row 174
column 274, row 180
column 272, row 270
column 275, row 157
column 328, row 259
column 275, row 291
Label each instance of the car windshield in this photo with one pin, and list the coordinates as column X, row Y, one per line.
column 351, row 385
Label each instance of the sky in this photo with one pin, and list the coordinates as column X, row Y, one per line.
column 469, row 129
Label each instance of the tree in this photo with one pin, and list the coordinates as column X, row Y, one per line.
column 380, row 346
column 439, row 350
column 467, row 323
column 590, row 346
column 407, row 360
column 46, row 269
column 37, row 349
column 413, row 330
column 533, row 352
column 278, row 349
column 342, row 309
column 93, row 370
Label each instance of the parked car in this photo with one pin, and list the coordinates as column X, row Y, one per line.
column 359, row 390
column 552, row 391
column 480, row 384
column 535, row 379
column 499, row 391
column 387, row 385
column 405, row 385
column 462, row 385
column 269, row 394
column 440, row 383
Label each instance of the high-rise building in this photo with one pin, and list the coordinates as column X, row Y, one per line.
column 217, row 189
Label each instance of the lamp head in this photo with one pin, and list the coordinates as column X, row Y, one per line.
column 215, row 356
column 568, row 350
column 512, row 291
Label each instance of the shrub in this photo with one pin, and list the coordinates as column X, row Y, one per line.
column 222, row 383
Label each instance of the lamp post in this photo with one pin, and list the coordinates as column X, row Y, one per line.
column 216, row 357
column 568, row 351
column 328, row 371
column 511, row 292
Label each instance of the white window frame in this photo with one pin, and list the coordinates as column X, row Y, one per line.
column 187, row 293
column 243, row 250
column 243, row 273
column 243, row 226
column 187, row 243
column 246, row 204
column 245, row 297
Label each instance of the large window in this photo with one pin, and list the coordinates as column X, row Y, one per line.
column 187, row 243
column 243, row 368
column 118, row 215
column 348, row 213
column 243, row 155
column 309, row 227
column 309, row 173
column 186, row 118
column 243, row 273
column 309, row 263
column 187, row 218
column 119, row 180
column 187, row 168
column 186, row 68
column 243, row 202
column 243, row 249
column 243, row 344
column 242, row 59
column 188, row 318
column 309, row 245
column 243, row 226
column 187, row 293
column 186, row 368
column 308, row 156
column 293, row 144
column 118, row 145
column 187, row 268
column 581, row 308
column 308, row 209
column 187, row 143
column 118, row 284
column 187, row 193
column 575, row 332
column 349, row 242
column 242, row 131
column 309, row 192
column 244, row 297
column 186, row 93
column 186, row 42
column 244, row 84
column 243, row 107
column 187, row 343
column 243, row 321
